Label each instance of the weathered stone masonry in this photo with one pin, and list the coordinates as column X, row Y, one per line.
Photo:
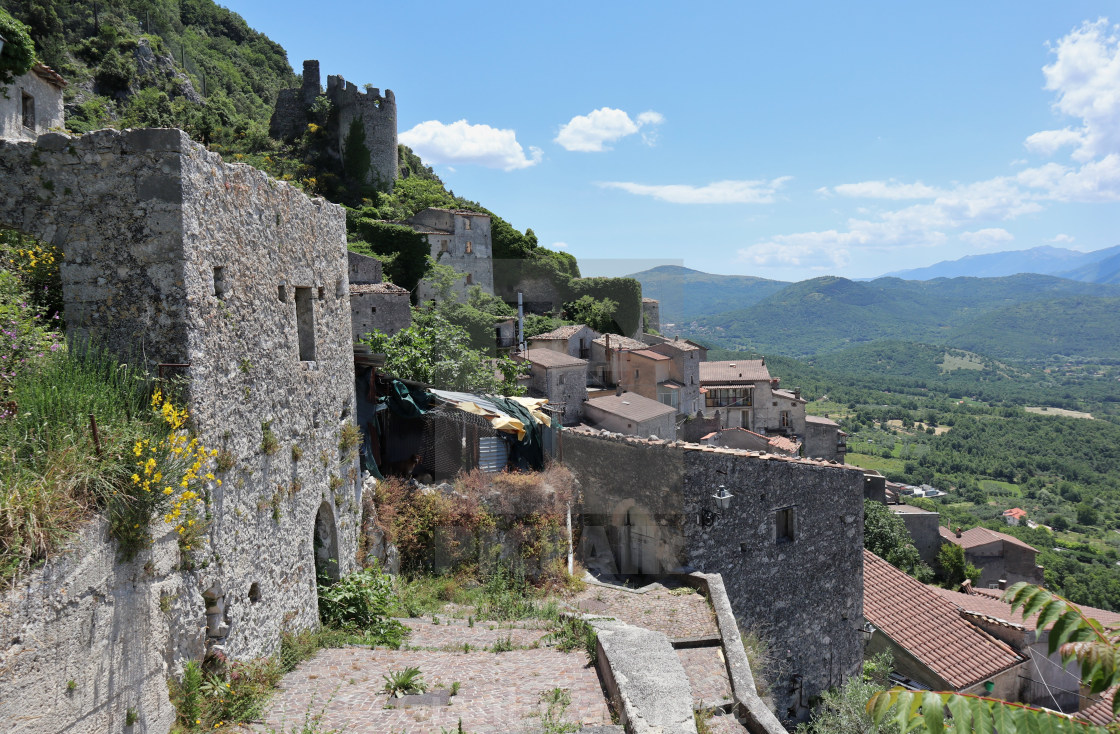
column 804, row 592
column 171, row 256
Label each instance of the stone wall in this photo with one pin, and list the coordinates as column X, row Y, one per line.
column 172, row 256
column 565, row 388
column 363, row 268
column 922, row 525
column 380, row 307
column 804, row 593
column 460, row 239
column 651, row 315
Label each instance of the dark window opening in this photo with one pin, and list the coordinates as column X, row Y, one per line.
column 255, row 593
column 305, row 324
column 219, row 281
column 470, row 279
column 785, row 529
column 443, row 246
column 282, row 294
column 322, row 293
column 28, row 111
column 373, row 309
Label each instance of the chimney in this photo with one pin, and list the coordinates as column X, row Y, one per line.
column 618, row 391
column 958, row 531
column 797, row 393
column 966, row 586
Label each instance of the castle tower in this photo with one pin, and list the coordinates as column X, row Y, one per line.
column 363, row 124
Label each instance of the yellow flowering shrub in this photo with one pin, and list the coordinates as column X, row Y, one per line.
column 171, row 477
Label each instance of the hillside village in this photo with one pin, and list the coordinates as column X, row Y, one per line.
column 681, row 485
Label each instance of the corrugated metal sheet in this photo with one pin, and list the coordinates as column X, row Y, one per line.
column 493, row 453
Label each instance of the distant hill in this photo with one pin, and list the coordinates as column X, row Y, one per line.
column 686, row 294
column 829, row 314
column 1043, row 260
column 1101, row 271
column 1076, row 327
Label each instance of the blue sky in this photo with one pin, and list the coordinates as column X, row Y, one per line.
column 779, row 140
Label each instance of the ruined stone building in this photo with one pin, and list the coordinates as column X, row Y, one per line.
column 461, row 239
column 375, row 305
column 357, row 121
column 1002, row 559
column 217, row 273
column 651, row 315
column 789, row 543
column 32, row 104
column 559, row 377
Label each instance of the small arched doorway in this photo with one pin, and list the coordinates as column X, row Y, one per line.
column 325, row 544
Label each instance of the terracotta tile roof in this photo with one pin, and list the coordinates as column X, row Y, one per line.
column 929, row 627
column 781, row 443
column 820, row 420
column 620, row 342
column 676, row 344
column 649, row 354
column 1100, row 713
column 788, row 395
column 975, row 537
column 49, row 75
column 987, row 603
column 563, row 332
column 739, row 371
column 548, row 358
column 359, row 288
column 1015, row 512
column 631, row 406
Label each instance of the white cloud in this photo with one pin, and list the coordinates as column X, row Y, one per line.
column 460, row 143
column 560, row 245
column 719, row 192
column 986, row 238
column 590, row 133
column 814, row 256
column 886, row 190
column 1062, row 238
column 1086, row 75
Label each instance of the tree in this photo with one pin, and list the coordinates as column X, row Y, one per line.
column 885, row 535
column 18, row 53
column 597, row 313
column 1078, row 638
column 844, row 710
column 953, row 568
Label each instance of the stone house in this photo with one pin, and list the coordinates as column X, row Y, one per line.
column 32, row 104
column 684, row 369
column 923, row 528
column 824, row 439
column 741, row 438
column 632, row 414
column 789, row 544
column 560, row 378
column 1014, row 516
column 1047, row 682
column 177, row 261
column 461, row 239
column 741, row 392
column 931, row 643
column 1001, row 558
column 574, row 340
column 605, row 356
column 375, row 306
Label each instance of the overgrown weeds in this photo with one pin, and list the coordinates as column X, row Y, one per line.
column 574, row 633
column 361, row 602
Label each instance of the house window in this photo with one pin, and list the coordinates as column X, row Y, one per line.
column 305, row 324
column 783, row 419
column 784, row 525
column 637, row 374
column 560, row 380
column 443, row 246
column 470, row 247
column 470, row 279
column 467, row 224
column 373, row 309
column 28, row 111
column 728, row 397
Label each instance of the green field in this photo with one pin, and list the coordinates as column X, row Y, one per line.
column 878, row 463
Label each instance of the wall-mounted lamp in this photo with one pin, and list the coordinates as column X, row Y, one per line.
column 721, row 500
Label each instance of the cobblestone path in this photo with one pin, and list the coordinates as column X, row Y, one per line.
column 707, row 675
column 499, row 692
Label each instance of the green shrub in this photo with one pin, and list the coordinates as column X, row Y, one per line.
column 361, row 601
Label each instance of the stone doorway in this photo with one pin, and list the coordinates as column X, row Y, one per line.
column 325, row 544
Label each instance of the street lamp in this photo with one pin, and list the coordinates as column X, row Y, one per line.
column 721, row 500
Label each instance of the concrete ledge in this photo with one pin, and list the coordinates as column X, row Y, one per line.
column 645, row 679
column 756, row 716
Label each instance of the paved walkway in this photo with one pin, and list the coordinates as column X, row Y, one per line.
column 707, row 675
column 498, row 692
column 678, row 613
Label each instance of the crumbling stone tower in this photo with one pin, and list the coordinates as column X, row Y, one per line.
column 362, row 125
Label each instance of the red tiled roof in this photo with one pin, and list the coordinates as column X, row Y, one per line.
column 49, row 75
column 1015, row 512
column 548, row 358
column 987, row 602
column 929, row 627
column 675, row 344
column 975, row 537
column 782, row 443
column 631, row 406
column 739, row 371
column 1100, row 713
column 650, row 355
